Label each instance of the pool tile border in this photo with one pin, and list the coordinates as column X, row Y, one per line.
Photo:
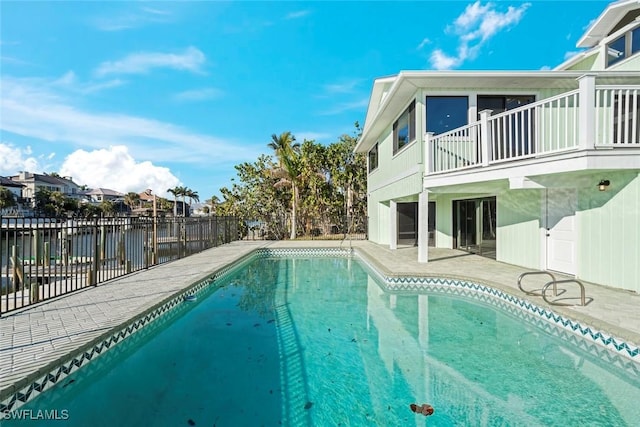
column 45, row 378
column 542, row 317
column 551, row 322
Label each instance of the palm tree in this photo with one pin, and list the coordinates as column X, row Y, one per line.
column 131, row 199
column 176, row 192
column 192, row 195
column 288, row 153
column 183, row 193
column 283, row 145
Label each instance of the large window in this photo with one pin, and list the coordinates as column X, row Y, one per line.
column 404, row 129
column 445, row 113
column 514, row 135
column 373, row 158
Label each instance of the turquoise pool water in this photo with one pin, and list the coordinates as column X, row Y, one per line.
column 317, row 341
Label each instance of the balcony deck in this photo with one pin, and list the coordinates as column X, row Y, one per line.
column 589, row 119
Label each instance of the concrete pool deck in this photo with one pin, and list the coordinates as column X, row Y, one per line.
column 35, row 339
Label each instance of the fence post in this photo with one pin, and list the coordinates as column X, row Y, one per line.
column 586, row 111
column 46, row 258
column 18, row 274
column 103, row 244
column 428, row 153
column 96, row 254
column 145, row 245
column 485, row 137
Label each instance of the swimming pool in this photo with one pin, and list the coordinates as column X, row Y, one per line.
column 323, row 341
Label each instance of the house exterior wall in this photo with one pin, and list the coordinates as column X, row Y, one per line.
column 584, row 64
column 631, row 64
column 519, row 226
column 609, row 230
column 397, row 176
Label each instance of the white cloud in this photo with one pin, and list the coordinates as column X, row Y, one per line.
column 69, row 81
column 423, row 43
column 198, row 94
column 344, row 87
column 442, row 61
column 14, row 159
column 474, row 27
column 346, row 106
column 192, row 59
column 32, row 108
column 132, row 19
column 298, row 14
column 116, row 169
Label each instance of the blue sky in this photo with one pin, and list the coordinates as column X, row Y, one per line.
column 131, row 95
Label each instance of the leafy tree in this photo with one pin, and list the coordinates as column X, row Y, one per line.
column 107, row 208
column 255, row 197
column 318, row 185
column 214, row 201
column 131, row 199
column 54, row 203
column 88, row 210
column 7, row 198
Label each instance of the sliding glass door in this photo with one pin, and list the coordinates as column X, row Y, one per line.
column 474, row 223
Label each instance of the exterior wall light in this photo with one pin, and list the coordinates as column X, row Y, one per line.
column 603, row 184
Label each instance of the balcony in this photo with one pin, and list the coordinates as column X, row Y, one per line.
column 586, row 119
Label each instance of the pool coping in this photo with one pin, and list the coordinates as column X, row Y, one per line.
column 39, row 381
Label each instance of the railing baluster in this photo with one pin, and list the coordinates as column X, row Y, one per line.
column 634, row 114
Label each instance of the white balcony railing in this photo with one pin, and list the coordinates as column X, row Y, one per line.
column 587, row 118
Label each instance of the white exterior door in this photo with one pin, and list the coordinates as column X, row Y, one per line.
column 561, row 230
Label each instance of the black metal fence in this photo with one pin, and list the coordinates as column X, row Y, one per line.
column 42, row 258
column 335, row 228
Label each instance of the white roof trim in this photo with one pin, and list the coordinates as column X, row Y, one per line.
column 607, row 20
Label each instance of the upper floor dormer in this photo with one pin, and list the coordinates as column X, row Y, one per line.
column 612, row 41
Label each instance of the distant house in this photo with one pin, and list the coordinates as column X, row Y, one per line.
column 33, row 182
column 15, row 189
column 540, row 169
column 13, row 186
column 98, row 195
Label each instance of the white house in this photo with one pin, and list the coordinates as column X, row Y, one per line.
column 539, row 169
column 14, row 187
column 97, row 195
column 32, row 182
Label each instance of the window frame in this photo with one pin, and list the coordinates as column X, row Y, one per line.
column 373, row 154
column 410, row 114
column 466, row 97
column 626, row 37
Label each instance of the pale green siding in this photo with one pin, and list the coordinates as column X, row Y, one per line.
column 518, row 227
column 444, row 221
column 398, row 177
column 609, row 233
column 391, row 168
column 632, row 64
column 586, row 64
column 406, row 189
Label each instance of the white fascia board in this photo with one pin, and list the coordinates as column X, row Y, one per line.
column 606, row 21
column 373, row 110
column 617, row 159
